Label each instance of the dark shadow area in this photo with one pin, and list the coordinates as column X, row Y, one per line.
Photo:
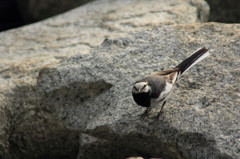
column 224, row 11
column 9, row 15
column 102, row 142
column 35, row 131
column 16, row 13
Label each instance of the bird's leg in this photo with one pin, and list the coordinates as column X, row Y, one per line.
column 157, row 117
column 145, row 114
column 161, row 108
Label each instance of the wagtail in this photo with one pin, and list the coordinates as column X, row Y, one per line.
column 156, row 88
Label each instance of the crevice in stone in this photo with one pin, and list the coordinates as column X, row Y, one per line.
column 224, row 11
column 109, row 144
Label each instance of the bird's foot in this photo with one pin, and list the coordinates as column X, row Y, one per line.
column 158, row 116
column 144, row 115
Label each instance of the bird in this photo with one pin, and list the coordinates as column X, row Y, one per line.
column 153, row 89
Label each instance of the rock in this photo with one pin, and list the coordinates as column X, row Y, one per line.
column 76, row 32
column 30, row 126
column 201, row 118
column 29, row 129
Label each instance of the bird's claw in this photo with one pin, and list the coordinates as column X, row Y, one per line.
column 143, row 116
column 158, row 116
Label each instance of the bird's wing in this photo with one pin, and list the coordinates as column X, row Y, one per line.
column 166, row 72
column 171, row 75
column 172, row 78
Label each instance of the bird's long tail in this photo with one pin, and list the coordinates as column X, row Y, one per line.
column 193, row 59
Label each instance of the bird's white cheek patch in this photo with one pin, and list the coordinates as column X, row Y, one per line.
column 164, row 93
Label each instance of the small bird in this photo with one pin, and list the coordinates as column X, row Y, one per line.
column 156, row 88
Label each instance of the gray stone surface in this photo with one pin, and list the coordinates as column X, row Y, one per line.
column 30, row 126
column 201, row 119
column 76, row 32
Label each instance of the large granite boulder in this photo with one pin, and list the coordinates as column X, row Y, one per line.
column 44, row 105
column 31, row 128
column 79, row 30
column 92, row 92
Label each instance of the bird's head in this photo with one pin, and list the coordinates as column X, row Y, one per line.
column 141, row 87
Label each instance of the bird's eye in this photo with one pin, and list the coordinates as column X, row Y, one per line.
column 144, row 86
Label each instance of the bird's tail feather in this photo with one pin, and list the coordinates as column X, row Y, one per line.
column 196, row 57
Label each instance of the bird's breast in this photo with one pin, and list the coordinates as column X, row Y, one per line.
column 142, row 99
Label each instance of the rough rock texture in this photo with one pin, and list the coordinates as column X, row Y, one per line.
column 30, row 126
column 201, row 119
column 85, row 27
